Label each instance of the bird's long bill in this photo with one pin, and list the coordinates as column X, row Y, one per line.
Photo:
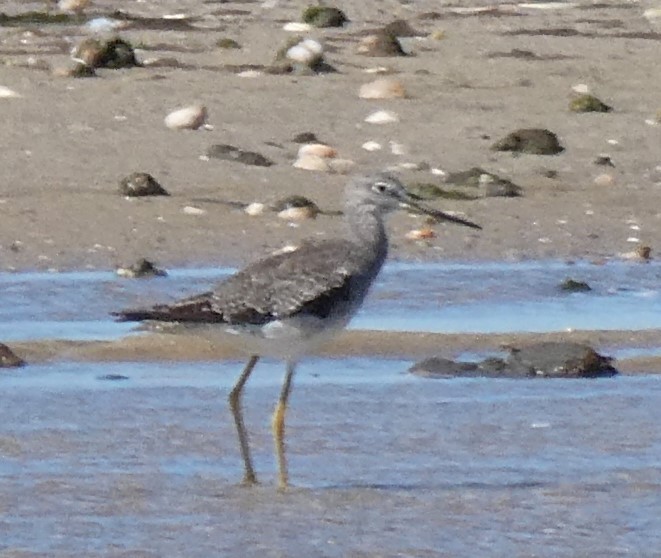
column 440, row 215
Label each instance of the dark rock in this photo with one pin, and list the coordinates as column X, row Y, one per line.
column 536, row 141
column 35, row 17
column 546, row 359
column 401, row 28
column 231, row 153
column 324, row 16
column 8, row 359
column 113, row 377
column 551, row 359
column 140, row 184
column 588, row 103
column 112, row 53
column 604, row 161
column 294, row 202
column 80, row 70
column 380, row 44
column 227, row 43
column 305, row 137
column 573, row 286
column 141, row 268
column 491, row 184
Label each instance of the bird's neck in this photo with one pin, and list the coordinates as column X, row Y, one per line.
column 368, row 231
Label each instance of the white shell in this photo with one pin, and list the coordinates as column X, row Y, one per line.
column 255, row 208
column 372, row 146
column 581, row 88
column 382, row 117
column 318, row 149
column 305, row 52
column 190, row 118
column 190, row 210
column 297, row 27
column 604, row 180
column 382, row 88
column 312, row 163
column 6, row 93
column 72, row 5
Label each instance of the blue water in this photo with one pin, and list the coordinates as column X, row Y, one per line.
column 434, row 297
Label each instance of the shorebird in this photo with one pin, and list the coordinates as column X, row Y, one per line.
column 286, row 304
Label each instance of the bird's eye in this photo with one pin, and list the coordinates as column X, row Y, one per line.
column 380, row 187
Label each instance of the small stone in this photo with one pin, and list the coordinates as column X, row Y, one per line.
column 296, row 208
column 382, row 117
column 140, row 184
column 324, row 16
column 141, row 268
column 401, row 28
column 383, row 88
column 581, row 89
column 604, row 161
column 588, row 103
column 113, row 377
column 187, row 118
column 230, row 153
column 380, row 44
column 227, row 43
column 8, row 358
column 305, row 137
column 191, row 210
column 573, row 286
column 535, row 141
column 112, row 53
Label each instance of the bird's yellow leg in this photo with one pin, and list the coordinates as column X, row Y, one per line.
column 278, row 425
column 235, row 405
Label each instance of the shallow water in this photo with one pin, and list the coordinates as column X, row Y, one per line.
column 438, row 297
column 384, row 463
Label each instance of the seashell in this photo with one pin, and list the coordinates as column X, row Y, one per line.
column 72, row 5
column 382, row 88
column 312, row 163
column 372, row 146
column 250, row 74
column 190, row 118
column 581, row 88
column 297, row 27
column 6, row 93
column 604, row 180
column 255, row 208
column 420, row 234
column 378, row 70
column 297, row 214
column 318, row 149
column 382, row 117
column 306, row 52
column 342, row 166
column 190, row 210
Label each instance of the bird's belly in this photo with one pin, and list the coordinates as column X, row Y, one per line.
column 289, row 338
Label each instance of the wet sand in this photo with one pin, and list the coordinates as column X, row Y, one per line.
column 149, row 347
column 68, row 142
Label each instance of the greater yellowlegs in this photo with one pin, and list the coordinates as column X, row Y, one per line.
column 285, row 304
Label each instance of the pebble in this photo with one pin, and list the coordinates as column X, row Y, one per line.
column 307, row 52
column 581, row 88
column 383, row 88
column 382, row 117
column 190, row 118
